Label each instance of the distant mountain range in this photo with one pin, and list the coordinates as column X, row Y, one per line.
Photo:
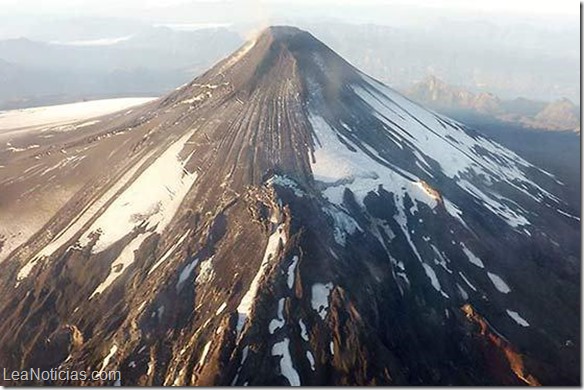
column 60, row 62
column 150, row 62
column 283, row 219
column 560, row 115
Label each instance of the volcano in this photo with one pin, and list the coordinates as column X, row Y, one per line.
column 285, row 219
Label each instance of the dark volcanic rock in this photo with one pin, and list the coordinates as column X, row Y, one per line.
column 285, row 219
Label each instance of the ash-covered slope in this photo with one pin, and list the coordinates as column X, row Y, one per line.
column 285, row 219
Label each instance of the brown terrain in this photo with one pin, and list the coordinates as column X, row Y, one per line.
column 559, row 115
column 284, row 219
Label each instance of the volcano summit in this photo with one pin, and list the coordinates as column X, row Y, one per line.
column 284, row 219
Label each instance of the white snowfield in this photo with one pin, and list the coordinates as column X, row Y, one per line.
column 166, row 182
column 74, row 226
column 458, row 153
column 340, row 168
column 55, row 118
column 42, row 117
column 431, row 139
column 151, row 200
column 437, row 143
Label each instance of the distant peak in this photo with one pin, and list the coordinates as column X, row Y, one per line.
column 285, row 34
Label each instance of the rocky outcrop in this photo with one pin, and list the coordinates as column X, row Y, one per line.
column 559, row 115
column 284, row 219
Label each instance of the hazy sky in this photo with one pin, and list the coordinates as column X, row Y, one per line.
column 229, row 11
column 538, row 40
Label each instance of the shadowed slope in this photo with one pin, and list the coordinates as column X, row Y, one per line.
column 285, row 219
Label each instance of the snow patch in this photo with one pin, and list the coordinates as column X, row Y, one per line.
column 454, row 210
column 185, row 274
column 467, row 281
column 493, row 203
column 281, row 349
column 459, row 153
column 499, row 283
column 39, row 117
column 310, row 359
column 320, row 297
column 278, row 322
column 343, row 223
column 221, row 308
column 124, row 260
column 285, row 181
column 206, row 272
column 472, row 257
column 108, row 357
column 151, row 200
column 303, row 331
column 244, row 308
column 431, row 274
column 568, row 215
column 441, row 259
column 402, row 221
column 204, row 353
column 517, row 318
column 334, row 164
column 291, row 272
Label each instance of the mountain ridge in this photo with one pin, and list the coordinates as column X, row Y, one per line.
column 285, row 219
column 559, row 115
